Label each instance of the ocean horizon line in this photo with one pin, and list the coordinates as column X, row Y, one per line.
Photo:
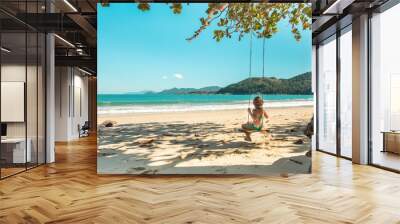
column 190, row 106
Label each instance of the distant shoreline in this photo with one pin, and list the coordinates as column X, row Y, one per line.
column 135, row 104
column 218, row 94
column 105, row 116
column 146, row 109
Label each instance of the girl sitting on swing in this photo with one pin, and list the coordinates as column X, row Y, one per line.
column 257, row 115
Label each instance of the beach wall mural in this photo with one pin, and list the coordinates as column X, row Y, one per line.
column 219, row 88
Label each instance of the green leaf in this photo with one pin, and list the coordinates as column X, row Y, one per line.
column 144, row 6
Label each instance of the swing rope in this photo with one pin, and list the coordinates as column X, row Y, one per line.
column 259, row 93
column 263, row 58
column 250, row 64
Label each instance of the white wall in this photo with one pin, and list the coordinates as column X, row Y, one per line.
column 80, row 110
column 10, row 73
column 71, row 87
column 33, row 126
column 13, row 101
column 15, row 72
column 62, row 81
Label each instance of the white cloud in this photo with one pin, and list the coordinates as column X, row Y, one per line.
column 165, row 77
column 178, row 76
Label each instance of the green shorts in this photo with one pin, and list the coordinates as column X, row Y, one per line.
column 251, row 126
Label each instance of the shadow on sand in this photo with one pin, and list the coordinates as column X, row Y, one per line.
column 164, row 148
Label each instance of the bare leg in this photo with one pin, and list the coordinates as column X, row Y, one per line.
column 267, row 137
column 247, row 132
column 247, row 138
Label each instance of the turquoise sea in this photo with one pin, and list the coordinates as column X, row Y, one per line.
column 148, row 103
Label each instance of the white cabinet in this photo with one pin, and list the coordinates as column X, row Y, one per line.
column 19, row 155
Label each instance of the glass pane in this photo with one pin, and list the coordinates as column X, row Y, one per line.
column 32, row 90
column 41, row 99
column 13, row 86
column 31, row 98
column 327, row 96
column 385, row 86
column 346, row 94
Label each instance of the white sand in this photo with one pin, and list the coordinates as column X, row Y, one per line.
column 203, row 142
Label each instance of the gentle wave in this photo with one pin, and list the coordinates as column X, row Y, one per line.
column 129, row 109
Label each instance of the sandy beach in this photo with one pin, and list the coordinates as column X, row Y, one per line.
column 203, row 142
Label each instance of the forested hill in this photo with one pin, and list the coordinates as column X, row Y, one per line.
column 300, row 84
column 204, row 90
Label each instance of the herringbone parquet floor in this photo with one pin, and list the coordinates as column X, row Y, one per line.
column 69, row 191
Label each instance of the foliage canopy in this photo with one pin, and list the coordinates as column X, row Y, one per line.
column 260, row 19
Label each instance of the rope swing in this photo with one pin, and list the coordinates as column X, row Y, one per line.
column 250, row 64
column 263, row 58
column 250, row 69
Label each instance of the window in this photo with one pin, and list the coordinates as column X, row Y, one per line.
column 327, row 96
column 346, row 93
column 22, row 78
column 385, row 89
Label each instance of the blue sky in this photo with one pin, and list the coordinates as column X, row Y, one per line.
column 148, row 51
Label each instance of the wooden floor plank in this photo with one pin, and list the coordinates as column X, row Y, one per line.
column 70, row 191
